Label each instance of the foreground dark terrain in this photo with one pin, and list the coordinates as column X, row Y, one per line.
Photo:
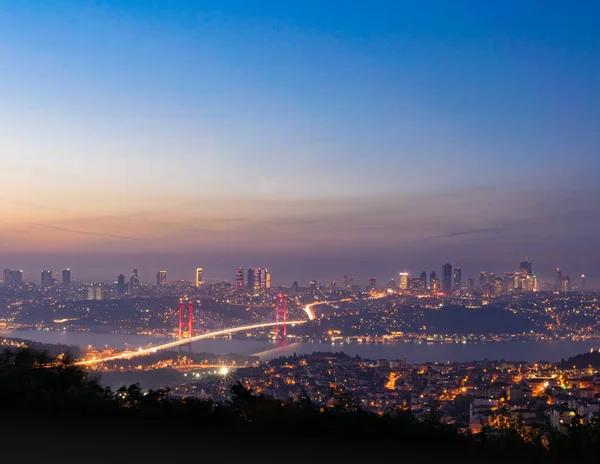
column 51, row 411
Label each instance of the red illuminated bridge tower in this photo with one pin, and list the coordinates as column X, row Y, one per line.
column 190, row 322
column 281, row 316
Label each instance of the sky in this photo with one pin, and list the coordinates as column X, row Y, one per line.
column 315, row 138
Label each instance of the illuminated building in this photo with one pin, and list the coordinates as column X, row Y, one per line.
column 447, row 278
column 392, row 285
column 566, row 284
column 95, row 292
column 12, row 277
column 558, row 280
column 470, row 284
column 457, row 279
column 66, row 278
column 345, row 283
column 332, row 286
column 415, row 285
column 526, row 267
column 497, row 287
column 121, row 287
column 261, row 278
column 267, row 280
column 404, row 280
column 423, row 277
column 134, row 282
column 432, row 277
column 199, row 277
column 483, row 280
column 372, row 283
column 509, row 282
column 251, row 279
column 535, row 283
column 435, row 285
column 582, row 283
column 161, row 278
column 47, row 279
column 239, row 278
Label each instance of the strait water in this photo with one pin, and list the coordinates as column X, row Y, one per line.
column 415, row 353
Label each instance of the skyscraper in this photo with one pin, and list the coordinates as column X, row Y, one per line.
column 526, row 267
column 47, row 280
column 372, row 283
column 121, row 287
column 566, row 284
column 457, row 279
column 267, row 280
column 161, row 278
column 66, row 278
column 345, row 283
column 95, row 292
column 261, row 278
column 134, row 282
column 251, row 279
column 582, row 283
column 470, row 285
column 199, row 277
column 447, row 278
column 558, row 280
column 423, row 278
column 12, row 277
column 404, row 276
column 239, row 278
column 432, row 277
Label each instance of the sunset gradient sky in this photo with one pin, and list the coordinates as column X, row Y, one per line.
column 316, row 138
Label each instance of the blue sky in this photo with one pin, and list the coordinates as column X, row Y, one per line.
column 357, row 132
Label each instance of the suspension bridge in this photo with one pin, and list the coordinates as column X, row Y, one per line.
column 280, row 324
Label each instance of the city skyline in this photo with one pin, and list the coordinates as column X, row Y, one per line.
column 449, row 277
column 298, row 137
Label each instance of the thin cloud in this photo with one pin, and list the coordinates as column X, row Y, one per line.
column 81, row 232
column 466, row 232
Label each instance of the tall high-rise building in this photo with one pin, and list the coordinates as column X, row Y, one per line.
column 12, row 277
column 345, row 283
column 470, row 285
column 404, row 276
column 435, row 285
column 239, row 278
column 161, row 278
column 432, row 277
column 510, row 282
column 121, row 287
column 566, row 284
column 483, row 280
column 582, row 283
column 423, row 278
column 333, row 286
column 251, row 279
column 66, row 278
column 558, row 280
column 497, row 287
column 267, row 280
column 134, row 282
column 392, row 285
column 447, row 278
column 261, row 278
column 351, row 281
column 372, row 283
column 526, row 267
column 47, row 280
column 199, row 277
column 95, row 292
column 457, row 279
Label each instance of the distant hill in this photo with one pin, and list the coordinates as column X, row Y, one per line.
column 488, row 319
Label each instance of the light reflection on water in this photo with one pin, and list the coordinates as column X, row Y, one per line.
column 415, row 353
